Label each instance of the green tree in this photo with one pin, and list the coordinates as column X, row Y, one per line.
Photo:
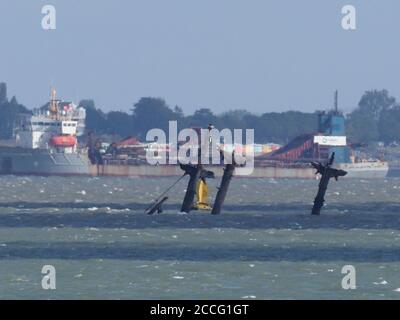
column 120, row 123
column 364, row 123
column 284, row 126
column 150, row 113
column 362, row 127
column 373, row 102
column 202, row 118
column 95, row 118
column 389, row 124
column 3, row 93
column 234, row 119
column 9, row 117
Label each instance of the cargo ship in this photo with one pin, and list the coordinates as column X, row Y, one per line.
column 317, row 147
column 128, row 158
column 46, row 142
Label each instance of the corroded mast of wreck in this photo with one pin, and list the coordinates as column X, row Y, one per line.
column 196, row 173
column 326, row 173
column 223, row 188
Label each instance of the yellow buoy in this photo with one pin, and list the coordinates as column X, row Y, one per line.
column 202, row 196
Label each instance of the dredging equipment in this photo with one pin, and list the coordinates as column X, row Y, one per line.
column 326, row 173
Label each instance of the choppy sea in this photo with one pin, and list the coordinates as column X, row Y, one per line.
column 264, row 245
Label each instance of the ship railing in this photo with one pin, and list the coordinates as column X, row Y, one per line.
column 52, row 158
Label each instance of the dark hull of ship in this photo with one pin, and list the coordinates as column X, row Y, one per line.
column 357, row 171
column 22, row 161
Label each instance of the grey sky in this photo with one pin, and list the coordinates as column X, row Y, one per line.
column 257, row 55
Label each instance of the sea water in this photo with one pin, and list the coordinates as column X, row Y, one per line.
column 264, row 245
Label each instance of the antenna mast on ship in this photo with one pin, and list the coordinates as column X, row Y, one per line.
column 53, row 104
column 336, row 102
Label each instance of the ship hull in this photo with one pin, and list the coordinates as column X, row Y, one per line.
column 22, row 161
column 355, row 171
column 394, row 170
column 366, row 170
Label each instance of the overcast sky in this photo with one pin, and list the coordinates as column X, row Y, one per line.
column 259, row 55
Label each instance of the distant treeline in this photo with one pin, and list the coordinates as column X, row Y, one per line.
column 151, row 113
column 376, row 118
column 9, row 113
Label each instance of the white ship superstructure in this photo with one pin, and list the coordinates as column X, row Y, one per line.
column 46, row 142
